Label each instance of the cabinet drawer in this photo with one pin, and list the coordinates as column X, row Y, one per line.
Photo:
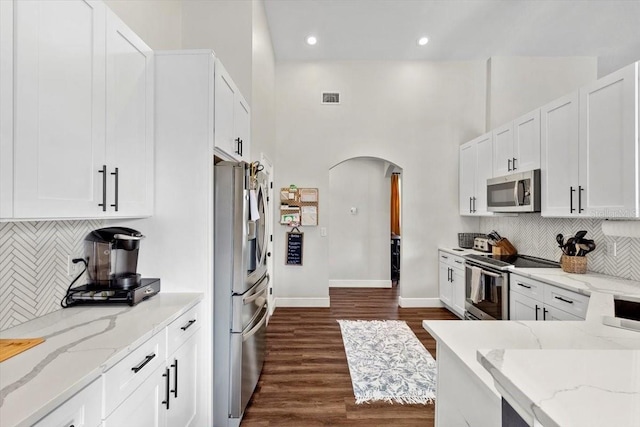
column 121, row 380
column 182, row 328
column 84, row 409
column 567, row 301
column 452, row 261
column 529, row 287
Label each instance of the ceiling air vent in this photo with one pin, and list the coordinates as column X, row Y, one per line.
column 331, row 97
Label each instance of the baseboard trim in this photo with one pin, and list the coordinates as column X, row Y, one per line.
column 419, row 302
column 359, row 283
column 302, row 302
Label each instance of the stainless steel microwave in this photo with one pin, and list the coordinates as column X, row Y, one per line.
column 518, row 192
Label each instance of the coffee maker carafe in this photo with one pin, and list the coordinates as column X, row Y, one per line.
column 112, row 258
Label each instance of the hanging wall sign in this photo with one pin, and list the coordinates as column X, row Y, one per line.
column 294, row 248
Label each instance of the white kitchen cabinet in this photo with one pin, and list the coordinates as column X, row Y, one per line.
column 84, row 409
column 59, row 108
column 516, row 145
column 232, row 117
column 6, row 109
column 146, row 406
column 183, row 372
column 530, row 299
column 129, row 121
column 452, row 282
column 559, row 156
column 82, row 143
column 609, row 158
column 476, row 160
column 589, row 150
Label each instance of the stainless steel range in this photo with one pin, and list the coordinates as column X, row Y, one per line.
column 487, row 283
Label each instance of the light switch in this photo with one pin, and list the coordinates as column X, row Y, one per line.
column 323, row 231
column 353, row 211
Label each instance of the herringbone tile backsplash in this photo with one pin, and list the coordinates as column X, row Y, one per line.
column 33, row 266
column 534, row 235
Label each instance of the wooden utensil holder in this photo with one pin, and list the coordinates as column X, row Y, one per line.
column 574, row 264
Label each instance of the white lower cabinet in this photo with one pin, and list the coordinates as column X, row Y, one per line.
column 82, row 410
column 452, row 282
column 533, row 300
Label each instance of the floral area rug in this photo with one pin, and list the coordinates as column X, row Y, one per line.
column 387, row 362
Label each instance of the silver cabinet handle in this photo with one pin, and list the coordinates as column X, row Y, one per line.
column 514, row 163
column 509, row 165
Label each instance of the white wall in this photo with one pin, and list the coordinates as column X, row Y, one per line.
column 359, row 248
column 414, row 114
column 158, row 23
column 226, row 27
column 518, row 85
column 263, row 105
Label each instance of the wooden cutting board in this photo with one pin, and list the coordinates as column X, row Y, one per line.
column 9, row 347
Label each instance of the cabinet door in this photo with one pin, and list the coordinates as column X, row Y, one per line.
column 484, row 171
column 446, row 290
column 608, row 143
column 458, row 290
column 129, row 127
column 526, row 142
column 552, row 313
column 503, row 150
column 468, row 156
column 242, row 126
column 559, row 156
column 522, row 307
column 59, row 108
column 145, row 407
column 6, row 109
column 184, row 383
column 84, row 409
column 225, row 92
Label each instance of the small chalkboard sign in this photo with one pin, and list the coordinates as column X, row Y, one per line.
column 294, row 248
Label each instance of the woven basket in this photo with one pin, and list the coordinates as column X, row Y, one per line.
column 574, row 264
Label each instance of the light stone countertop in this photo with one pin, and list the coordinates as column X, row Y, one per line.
column 580, row 388
column 80, row 344
column 530, row 348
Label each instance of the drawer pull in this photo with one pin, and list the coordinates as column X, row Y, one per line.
column 188, row 325
column 568, row 301
column 459, row 262
column 445, row 257
column 142, row 364
column 524, row 286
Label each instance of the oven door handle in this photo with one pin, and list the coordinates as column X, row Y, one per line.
column 488, row 273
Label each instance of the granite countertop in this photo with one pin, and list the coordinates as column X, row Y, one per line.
column 80, row 344
column 565, row 372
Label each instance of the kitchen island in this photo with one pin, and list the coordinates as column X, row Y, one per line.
column 81, row 343
column 469, row 394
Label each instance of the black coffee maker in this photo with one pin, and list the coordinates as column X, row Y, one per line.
column 112, row 257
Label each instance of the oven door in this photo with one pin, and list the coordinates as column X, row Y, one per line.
column 488, row 298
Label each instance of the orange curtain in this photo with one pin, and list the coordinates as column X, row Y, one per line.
column 395, row 204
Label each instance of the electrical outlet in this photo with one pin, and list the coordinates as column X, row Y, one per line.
column 611, row 249
column 73, row 269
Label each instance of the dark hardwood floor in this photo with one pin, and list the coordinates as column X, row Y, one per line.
column 305, row 381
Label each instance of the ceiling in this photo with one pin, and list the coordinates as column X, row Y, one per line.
column 457, row 29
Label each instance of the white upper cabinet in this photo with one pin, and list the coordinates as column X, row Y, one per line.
column 559, row 156
column 516, row 146
column 609, row 145
column 129, row 127
column 476, row 160
column 590, row 150
column 6, row 109
column 232, row 117
column 59, row 108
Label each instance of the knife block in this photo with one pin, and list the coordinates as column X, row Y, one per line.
column 503, row 247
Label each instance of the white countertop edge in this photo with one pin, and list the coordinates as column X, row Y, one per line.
column 85, row 380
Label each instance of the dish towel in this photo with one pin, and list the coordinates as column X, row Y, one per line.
column 477, row 293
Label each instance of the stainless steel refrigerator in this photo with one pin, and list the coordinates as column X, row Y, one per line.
column 240, row 288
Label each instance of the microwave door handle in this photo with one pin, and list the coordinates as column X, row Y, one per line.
column 524, row 191
column 515, row 193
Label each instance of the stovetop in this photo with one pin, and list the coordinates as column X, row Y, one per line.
column 503, row 262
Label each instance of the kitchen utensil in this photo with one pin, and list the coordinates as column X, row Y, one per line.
column 580, row 234
column 569, row 247
column 560, row 240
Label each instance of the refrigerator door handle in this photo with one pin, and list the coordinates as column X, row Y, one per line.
column 260, row 288
column 252, row 331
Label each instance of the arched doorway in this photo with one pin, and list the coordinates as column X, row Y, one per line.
column 362, row 250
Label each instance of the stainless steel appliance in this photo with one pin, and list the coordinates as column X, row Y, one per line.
column 240, row 288
column 111, row 262
column 488, row 299
column 518, row 192
column 482, row 244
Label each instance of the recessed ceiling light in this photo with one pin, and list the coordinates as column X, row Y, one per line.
column 311, row 40
column 422, row 41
